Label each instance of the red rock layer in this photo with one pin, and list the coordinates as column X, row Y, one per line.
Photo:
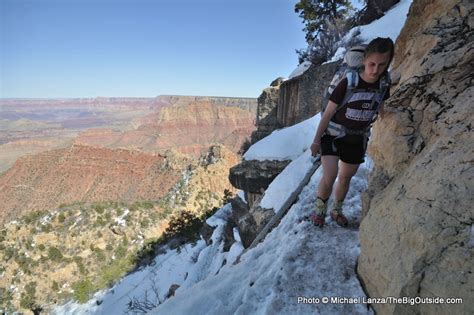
column 81, row 173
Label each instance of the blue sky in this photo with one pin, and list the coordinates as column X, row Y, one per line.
column 86, row 48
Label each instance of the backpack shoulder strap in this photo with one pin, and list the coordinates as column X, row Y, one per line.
column 352, row 76
column 384, row 85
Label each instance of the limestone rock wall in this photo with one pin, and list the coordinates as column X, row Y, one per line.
column 417, row 236
column 301, row 97
column 266, row 111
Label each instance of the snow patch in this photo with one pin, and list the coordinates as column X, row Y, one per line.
column 285, row 144
column 286, row 182
column 302, row 67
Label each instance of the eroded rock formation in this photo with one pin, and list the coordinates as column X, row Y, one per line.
column 80, row 173
column 255, row 176
column 266, row 111
column 301, row 96
column 416, row 238
column 189, row 128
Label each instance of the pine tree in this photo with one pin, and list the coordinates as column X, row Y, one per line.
column 316, row 15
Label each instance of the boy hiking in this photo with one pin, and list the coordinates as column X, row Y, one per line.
column 345, row 123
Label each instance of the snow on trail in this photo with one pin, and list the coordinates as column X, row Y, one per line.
column 295, row 260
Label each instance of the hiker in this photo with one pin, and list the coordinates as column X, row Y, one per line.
column 344, row 127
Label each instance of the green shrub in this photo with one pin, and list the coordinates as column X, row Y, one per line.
column 61, row 218
column 121, row 251
column 55, row 254
column 119, row 211
column 144, row 223
column 23, row 262
column 108, row 216
column 33, row 216
column 100, row 222
column 125, row 241
column 141, row 205
column 83, row 290
column 46, row 228
column 80, row 265
column 185, row 224
column 114, row 271
column 99, row 254
column 147, row 204
column 82, row 268
column 6, row 296
column 99, row 208
column 28, row 296
column 55, row 286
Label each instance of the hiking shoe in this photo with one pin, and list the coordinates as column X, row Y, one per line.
column 317, row 219
column 339, row 218
column 319, row 213
column 336, row 214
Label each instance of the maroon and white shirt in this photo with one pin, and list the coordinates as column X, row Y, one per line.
column 358, row 112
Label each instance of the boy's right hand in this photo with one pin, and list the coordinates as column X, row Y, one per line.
column 315, row 148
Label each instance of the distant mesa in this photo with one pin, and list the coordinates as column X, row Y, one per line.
column 189, row 125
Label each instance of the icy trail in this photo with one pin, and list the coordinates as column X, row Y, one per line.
column 295, row 260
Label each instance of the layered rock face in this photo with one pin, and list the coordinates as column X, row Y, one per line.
column 301, row 97
column 255, row 176
column 247, row 104
column 417, row 236
column 190, row 128
column 80, row 173
column 266, row 111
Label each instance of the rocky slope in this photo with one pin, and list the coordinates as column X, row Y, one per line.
column 417, row 237
column 81, row 173
column 77, row 249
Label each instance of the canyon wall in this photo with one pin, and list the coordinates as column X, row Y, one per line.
column 80, row 173
column 417, row 235
column 189, row 125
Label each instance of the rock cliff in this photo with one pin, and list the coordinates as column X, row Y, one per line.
column 80, row 173
column 266, row 111
column 301, row 96
column 417, row 235
column 189, row 125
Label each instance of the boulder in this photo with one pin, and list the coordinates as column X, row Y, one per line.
column 255, row 176
column 244, row 221
column 206, row 233
column 249, row 221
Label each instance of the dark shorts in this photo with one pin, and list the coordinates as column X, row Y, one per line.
column 349, row 149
